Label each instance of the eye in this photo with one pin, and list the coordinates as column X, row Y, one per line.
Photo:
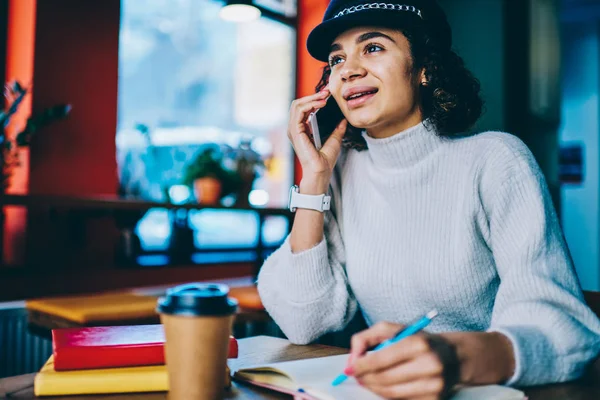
column 372, row 48
column 334, row 60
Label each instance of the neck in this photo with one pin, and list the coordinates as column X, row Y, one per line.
column 392, row 128
column 404, row 149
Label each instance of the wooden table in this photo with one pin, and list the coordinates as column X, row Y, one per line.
column 264, row 349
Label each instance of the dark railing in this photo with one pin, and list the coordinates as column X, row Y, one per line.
column 22, row 352
column 69, row 216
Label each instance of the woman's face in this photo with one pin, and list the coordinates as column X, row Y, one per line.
column 373, row 81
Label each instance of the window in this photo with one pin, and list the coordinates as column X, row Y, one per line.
column 187, row 78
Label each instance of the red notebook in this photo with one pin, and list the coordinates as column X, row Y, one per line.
column 112, row 346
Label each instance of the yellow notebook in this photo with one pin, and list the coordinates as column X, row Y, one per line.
column 97, row 308
column 154, row 378
column 49, row 382
column 311, row 380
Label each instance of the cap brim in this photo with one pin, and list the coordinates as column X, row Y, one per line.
column 322, row 36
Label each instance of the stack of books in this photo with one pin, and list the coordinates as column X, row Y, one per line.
column 107, row 359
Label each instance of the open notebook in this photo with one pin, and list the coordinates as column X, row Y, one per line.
column 311, row 380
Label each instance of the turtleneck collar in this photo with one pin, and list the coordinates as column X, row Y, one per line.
column 403, row 149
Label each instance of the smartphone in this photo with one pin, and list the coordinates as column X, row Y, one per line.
column 323, row 122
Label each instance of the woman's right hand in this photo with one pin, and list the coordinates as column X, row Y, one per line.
column 317, row 165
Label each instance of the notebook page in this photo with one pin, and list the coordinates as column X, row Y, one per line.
column 316, row 374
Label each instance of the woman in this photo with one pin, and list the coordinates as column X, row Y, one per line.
column 423, row 217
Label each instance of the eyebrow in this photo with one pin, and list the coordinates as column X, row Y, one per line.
column 362, row 38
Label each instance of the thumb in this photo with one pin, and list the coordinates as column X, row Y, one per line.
column 333, row 144
column 339, row 131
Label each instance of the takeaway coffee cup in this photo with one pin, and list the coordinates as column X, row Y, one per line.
column 197, row 319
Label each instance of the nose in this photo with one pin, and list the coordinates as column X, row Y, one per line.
column 352, row 69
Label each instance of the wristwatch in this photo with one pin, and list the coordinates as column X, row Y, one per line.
column 297, row 200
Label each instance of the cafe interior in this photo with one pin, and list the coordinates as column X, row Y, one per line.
column 144, row 146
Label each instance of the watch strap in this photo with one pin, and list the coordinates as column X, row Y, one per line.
column 321, row 202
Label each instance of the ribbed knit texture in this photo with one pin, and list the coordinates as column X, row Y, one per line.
column 465, row 226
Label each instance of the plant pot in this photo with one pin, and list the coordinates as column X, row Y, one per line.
column 207, row 190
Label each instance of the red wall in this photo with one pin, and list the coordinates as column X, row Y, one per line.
column 69, row 50
column 19, row 66
column 76, row 61
column 310, row 14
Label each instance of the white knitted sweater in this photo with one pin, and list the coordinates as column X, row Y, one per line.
column 465, row 226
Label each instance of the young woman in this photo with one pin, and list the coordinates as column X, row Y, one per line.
column 423, row 216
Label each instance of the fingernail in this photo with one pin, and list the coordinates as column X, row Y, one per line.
column 360, row 382
column 349, row 370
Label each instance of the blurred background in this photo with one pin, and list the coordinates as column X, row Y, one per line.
column 115, row 110
column 144, row 142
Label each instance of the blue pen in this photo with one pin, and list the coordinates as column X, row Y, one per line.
column 410, row 330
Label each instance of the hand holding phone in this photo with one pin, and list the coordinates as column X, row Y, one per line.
column 323, row 122
column 317, row 165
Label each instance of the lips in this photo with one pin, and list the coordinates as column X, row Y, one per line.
column 358, row 91
column 359, row 95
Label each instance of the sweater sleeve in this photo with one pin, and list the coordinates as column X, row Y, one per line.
column 307, row 293
column 539, row 304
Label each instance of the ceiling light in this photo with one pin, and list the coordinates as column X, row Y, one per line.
column 239, row 11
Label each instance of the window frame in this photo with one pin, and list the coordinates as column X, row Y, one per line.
column 260, row 249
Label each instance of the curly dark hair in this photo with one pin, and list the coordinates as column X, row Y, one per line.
column 450, row 101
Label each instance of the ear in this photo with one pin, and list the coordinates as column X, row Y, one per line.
column 423, row 78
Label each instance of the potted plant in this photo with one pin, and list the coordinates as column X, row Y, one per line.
column 14, row 93
column 207, row 176
column 247, row 165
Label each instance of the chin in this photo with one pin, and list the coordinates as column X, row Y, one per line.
column 362, row 123
column 363, row 118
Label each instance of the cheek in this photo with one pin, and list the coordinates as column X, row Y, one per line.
column 394, row 70
column 334, row 85
column 401, row 90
